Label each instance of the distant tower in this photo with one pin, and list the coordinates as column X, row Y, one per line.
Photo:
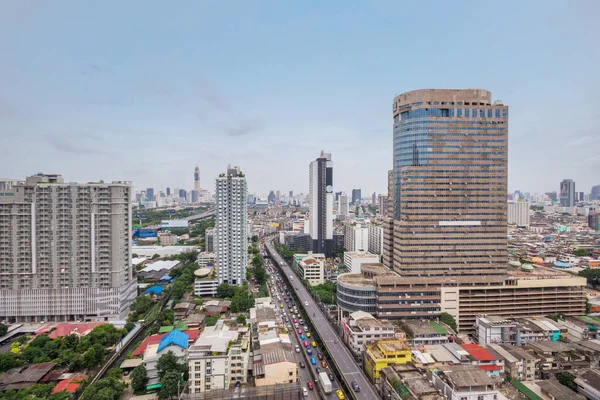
column 197, row 178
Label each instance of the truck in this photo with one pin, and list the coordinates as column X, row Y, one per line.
column 325, row 382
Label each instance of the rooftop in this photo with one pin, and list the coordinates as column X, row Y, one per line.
column 591, row 378
column 478, row 352
column 356, row 280
column 160, row 265
column 175, row 337
column 558, row 391
column 462, row 376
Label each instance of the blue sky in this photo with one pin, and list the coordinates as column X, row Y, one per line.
column 144, row 90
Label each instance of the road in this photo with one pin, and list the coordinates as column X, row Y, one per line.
column 345, row 363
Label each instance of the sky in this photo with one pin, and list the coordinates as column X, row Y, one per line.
column 146, row 90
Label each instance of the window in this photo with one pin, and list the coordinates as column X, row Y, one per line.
column 489, row 113
column 497, row 113
column 459, row 112
column 466, row 113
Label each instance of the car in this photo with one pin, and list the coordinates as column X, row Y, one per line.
column 355, row 386
column 304, row 392
column 340, row 394
column 295, row 321
column 310, row 385
column 299, row 315
column 305, row 344
column 323, row 364
column 313, row 361
column 302, row 365
column 297, row 288
column 297, row 349
column 305, row 328
column 302, row 337
column 309, row 351
column 314, row 344
column 306, row 303
column 320, row 356
column 281, row 305
column 331, row 377
column 307, row 334
column 318, row 370
column 302, row 321
column 299, row 331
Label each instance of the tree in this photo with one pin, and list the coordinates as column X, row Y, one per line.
column 170, row 384
column 168, row 362
column 155, row 256
column 8, row 361
column 241, row 319
column 242, row 300
column 567, row 379
column 166, row 318
column 448, row 320
column 3, row 329
column 592, row 276
column 211, row 320
column 139, row 378
column 581, row 252
column 93, row 356
column 104, row 389
column 225, row 290
column 260, row 275
column 588, row 306
column 254, row 238
column 39, row 390
column 30, row 353
column 129, row 326
column 141, row 305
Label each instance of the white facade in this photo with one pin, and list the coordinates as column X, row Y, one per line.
column 343, row 204
column 356, row 237
column 518, row 213
column 231, row 239
column 376, row 239
column 362, row 329
column 151, row 356
column 310, row 267
column 65, row 250
column 354, row 259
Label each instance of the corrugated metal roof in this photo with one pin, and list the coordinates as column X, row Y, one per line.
column 175, row 337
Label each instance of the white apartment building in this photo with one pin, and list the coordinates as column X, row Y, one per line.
column 375, row 239
column 362, row 329
column 218, row 359
column 310, row 267
column 356, row 236
column 465, row 382
column 65, row 250
column 518, row 213
column 175, row 342
column 231, row 239
column 353, row 260
column 343, row 204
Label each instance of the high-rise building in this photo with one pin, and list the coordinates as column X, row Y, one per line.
column 383, row 200
column 209, row 240
column 581, row 196
column 197, row 179
column 195, row 196
column 374, row 199
column 356, row 196
column 272, row 198
column 595, row 193
column 150, row 194
column 65, row 250
column 450, row 184
column 291, row 195
column 343, row 204
column 321, row 204
column 182, row 193
column 278, row 195
column 356, row 237
column 168, row 191
column 231, row 240
column 518, row 213
column 567, row 193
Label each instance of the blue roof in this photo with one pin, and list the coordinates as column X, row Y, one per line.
column 175, row 337
column 154, row 290
column 166, row 278
column 560, row 264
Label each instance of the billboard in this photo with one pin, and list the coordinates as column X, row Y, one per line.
column 564, row 190
column 174, row 223
column 144, row 233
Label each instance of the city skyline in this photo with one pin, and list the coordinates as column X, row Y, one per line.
column 94, row 104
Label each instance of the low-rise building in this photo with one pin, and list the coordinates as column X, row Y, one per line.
column 311, row 267
column 361, row 329
column 175, row 342
column 588, row 384
column 518, row 363
column 426, row 332
column 274, row 364
column 465, row 382
column 483, row 359
column 383, row 354
column 353, row 260
column 167, row 239
column 494, row 329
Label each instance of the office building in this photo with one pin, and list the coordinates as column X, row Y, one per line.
column 310, row 267
column 168, row 191
column 374, row 199
column 231, row 226
column 595, row 193
column 197, row 179
column 567, row 193
column 450, row 182
column 375, row 239
column 383, row 205
column 343, row 204
column 65, row 250
column 356, row 236
column 355, row 196
column 321, row 204
column 182, row 194
column 272, row 198
column 353, row 260
column 150, row 194
column 518, row 213
column 194, row 196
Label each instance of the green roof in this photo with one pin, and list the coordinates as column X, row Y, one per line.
column 181, row 325
column 152, row 387
column 530, row 394
column 438, row 328
column 165, row 329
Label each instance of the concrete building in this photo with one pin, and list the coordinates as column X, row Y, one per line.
column 65, row 250
column 356, row 236
column 518, row 213
column 209, row 239
column 321, row 204
column 361, row 329
column 197, row 179
column 383, row 354
column 450, row 182
column 205, row 283
column 356, row 196
column 150, row 194
column 175, row 342
column 427, row 332
column 231, row 226
column 567, row 193
column 495, row 330
column 275, row 364
column 311, row 267
column 376, row 236
column 466, row 382
column 343, row 205
column 353, row 260
column 588, row 384
column 383, row 205
column 218, row 359
column 595, row 193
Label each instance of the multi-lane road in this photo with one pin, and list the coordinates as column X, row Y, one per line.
column 343, row 360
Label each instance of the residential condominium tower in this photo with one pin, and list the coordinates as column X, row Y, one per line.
column 321, row 204
column 567, row 193
column 231, row 239
column 65, row 250
column 449, row 185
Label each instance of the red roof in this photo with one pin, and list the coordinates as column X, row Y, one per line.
column 478, row 352
column 155, row 339
column 78, row 329
column 70, row 385
column 489, row 367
